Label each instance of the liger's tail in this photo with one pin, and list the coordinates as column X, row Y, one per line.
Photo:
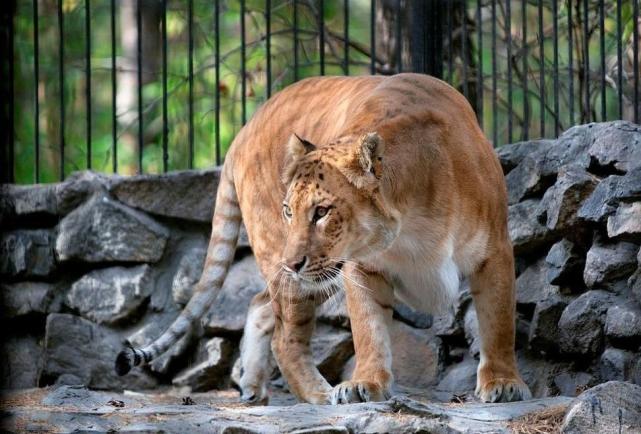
column 222, row 246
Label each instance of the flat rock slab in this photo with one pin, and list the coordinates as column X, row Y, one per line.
column 71, row 409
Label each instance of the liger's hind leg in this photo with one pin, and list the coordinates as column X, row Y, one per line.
column 256, row 359
column 492, row 288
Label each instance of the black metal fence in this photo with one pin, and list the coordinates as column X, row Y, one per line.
column 137, row 86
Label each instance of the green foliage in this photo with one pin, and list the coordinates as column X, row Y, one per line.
column 205, row 87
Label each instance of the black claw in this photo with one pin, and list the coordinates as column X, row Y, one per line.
column 248, row 399
column 124, row 362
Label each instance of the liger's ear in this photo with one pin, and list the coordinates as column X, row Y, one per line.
column 365, row 166
column 370, row 153
column 295, row 149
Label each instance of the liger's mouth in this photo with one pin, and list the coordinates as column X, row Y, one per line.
column 330, row 273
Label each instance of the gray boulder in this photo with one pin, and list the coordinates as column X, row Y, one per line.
column 526, row 233
column 19, row 201
column 414, row 318
column 24, row 298
column 471, row 328
column 229, row 311
column 78, row 351
column 569, row 148
column 544, row 331
column 604, row 199
column 27, row 253
column 609, row 407
column 623, row 325
column 512, row 154
column 525, row 180
column 459, row 378
column 634, row 283
column 188, row 273
column 560, row 202
column 212, row 367
column 573, row 383
column 616, row 145
column 626, row 221
column 77, row 188
column 581, row 323
column 332, row 348
column 21, row 362
column 616, row 364
column 110, row 295
column 605, row 263
column 565, row 264
column 532, row 285
column 103, row 230
column 188, row 194
column 334, row 311
column 42, row 200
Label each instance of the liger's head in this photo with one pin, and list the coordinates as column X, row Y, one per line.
column 333, row 208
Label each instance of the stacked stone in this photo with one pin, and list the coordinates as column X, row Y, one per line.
column 95, row 260
column 98, row 259
column 575, row 221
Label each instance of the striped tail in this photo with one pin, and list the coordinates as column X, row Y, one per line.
column 222, row 246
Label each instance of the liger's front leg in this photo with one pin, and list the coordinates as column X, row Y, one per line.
column 294, row 326
column 369, row 303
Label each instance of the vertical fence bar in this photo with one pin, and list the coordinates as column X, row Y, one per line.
column 479, row 61
column 586, row 63
column 295, row 32
column 268, row 44
column 570, row 63
column 619, row 60
column 7, row 18
column 450, row 50
column 602, row 44
column 114, row 90
column 495, row 131
column 190, row 31
column 466, row 90
column 541, row 68
column 243, row 63
column 61, row 83
column 88, row 77
column 372, row 37
column 555, row 67
column 399, row 38
column 526, row 100
column 165, row 123
column 508, row 30
column 139, row 76
column 346, row 36
column 217, row 78
column 321, row 35
column 36, row 99
column 635, row 57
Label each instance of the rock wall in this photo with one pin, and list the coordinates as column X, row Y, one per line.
column 96, row 259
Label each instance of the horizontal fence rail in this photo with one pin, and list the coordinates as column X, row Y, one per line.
column 148, row 86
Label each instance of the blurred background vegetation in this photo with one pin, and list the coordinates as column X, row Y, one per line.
column 459, row 57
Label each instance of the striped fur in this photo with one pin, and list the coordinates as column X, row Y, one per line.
column 222, row 245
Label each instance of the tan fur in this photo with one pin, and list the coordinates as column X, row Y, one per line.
column 415, row 200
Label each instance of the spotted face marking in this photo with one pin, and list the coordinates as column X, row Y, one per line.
column 329, row 219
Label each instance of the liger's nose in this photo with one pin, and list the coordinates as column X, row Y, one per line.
column 297, row 264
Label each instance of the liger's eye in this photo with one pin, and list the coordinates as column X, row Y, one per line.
column 287, row 211
column 321, row 211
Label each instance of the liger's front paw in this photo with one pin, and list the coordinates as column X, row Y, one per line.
column 358, row 391
column 503, row 390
